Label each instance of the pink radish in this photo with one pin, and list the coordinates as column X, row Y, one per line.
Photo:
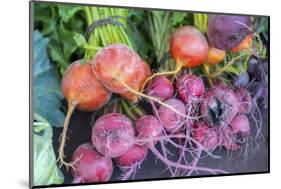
column 90, row 166
column 113, row 134
column 240, row 125
column 220, row 106
column 190, row 88
column 135, row 154
column 171, row 121
column 205, row 135
column 161, row 87
column 148, row 127
column 245, row 101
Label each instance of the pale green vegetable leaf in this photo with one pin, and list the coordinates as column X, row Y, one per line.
column 233, row 70
column 46, row 171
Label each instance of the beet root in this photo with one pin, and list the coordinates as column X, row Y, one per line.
column 226, row 31
column 172, row 121
column 113, row 134
column 90, row 166
column 81, row 87
column 220, row 106
column 188, row 47
column 215, row 56
column 135, row 154
column 205, row 135
column 240, row 125
column 245, row 101
column 131, row 160
column 83, row 91
column 117, row 64
column 190, row 88
column 148, row 128
column 160, row 87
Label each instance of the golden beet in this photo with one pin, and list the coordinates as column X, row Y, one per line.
column 82, row 90
column 215, row 56
column 117, row 64
column 80, row 86
column 189, row 46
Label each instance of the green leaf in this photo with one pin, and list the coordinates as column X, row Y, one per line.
column 56, row 53
column 46, row 86
column 79, row 39
column 64, row 26
column 46, row 171
column 233, row 70
column 177, row 18
column 70, row 41
column 66, row 12
column 46, row 16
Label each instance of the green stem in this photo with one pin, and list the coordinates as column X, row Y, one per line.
column 128, row 42
column 89, row 16
column 127, row 110
column 137, row 109
column 165, row 31
column 220, row 71
column 90, row 47
column 96, row 17
column 207, row 69
column 108, row 27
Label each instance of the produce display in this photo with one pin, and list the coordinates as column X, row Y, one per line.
column 182, row 92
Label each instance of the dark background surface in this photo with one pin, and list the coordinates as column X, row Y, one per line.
column 233, row 162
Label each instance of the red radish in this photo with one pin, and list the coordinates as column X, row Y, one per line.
column 189, row 46
column 240, row 125
column 161, row 87
column 171, row 120
column 148, row 127
column 215, row 56
column 135, row 155
column 245, row 101
column 205, row 135
column 119, row 67
column 90, row 165
column 190, row 88
column 131, row 160
column 83, row 91
column 220, row 106
column 113, row 134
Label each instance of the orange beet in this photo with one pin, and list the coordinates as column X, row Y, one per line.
column 79, row 85
column 189, row 46
column 116, row 63
column 215, row 55
column 83, row 91
column 245, row 44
